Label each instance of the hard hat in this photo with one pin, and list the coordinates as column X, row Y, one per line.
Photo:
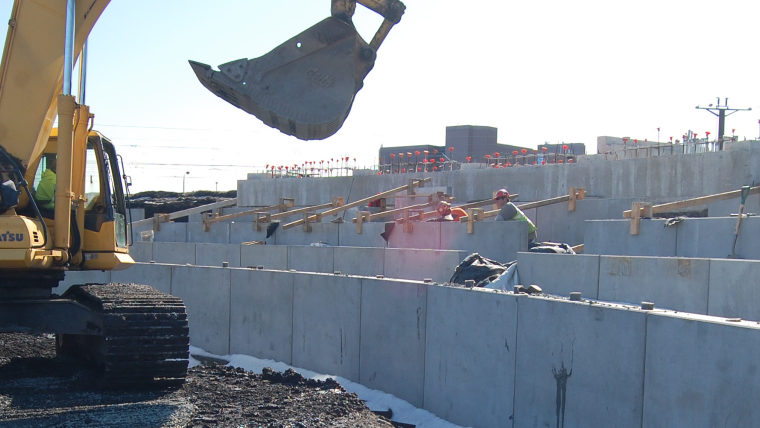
column 443, row 207
column 501, row 193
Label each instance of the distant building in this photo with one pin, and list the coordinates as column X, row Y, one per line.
column 467, row 141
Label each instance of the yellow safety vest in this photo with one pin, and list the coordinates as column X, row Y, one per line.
column 520, row 216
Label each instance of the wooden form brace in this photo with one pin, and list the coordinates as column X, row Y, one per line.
column 361, row 217
column 335, row 211
column 679, row 205
column 408, row 224
column 432, row 200
column 184, row 213
column 640, row 210
column 576, row 194
column 158, row 219
column 473, row 215
column 209, row 218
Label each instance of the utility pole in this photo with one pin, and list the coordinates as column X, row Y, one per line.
column 721, row 113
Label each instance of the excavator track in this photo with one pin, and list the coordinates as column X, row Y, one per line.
column 145, row 335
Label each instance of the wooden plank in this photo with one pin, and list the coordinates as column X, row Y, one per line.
column 529, row 205
column 195, row 210
column 636, row 219
column 358, row 203
column 476, row 204
column 401, row 210
column 578, row 248
column 279, row 207
column 571, row 203
column 687, row 203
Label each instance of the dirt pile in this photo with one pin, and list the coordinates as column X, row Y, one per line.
column 159, row 202
column 37, row 388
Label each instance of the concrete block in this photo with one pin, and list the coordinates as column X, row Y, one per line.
column 370, row 236
column 311, row 259
column 731, row 206
column 700, row 372
column 320, row 232
column 82, row 277
column 218, row 233
column 578, row 365
column 359, row 261
column 393, row 324
column 470, row 356
column 269, row 256
column 170, row 232
column 136, row 237
column 206, row 293
column 156, row 275
column 560, row 274
column 141, row 251
column 714, row 238
column 137, row 214
column 496, row 240
column 327, row 324
column 679, row 284
column 177, row 253
column 241, row 232
column 556, row 224
column 613, row 237
column 439, row 265
column 424, row 235
column 734, row 289
column 216, row 254
column 261, row 314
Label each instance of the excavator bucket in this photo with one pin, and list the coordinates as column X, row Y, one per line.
column 305, row 87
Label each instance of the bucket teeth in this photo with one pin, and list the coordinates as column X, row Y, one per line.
column 305, row 87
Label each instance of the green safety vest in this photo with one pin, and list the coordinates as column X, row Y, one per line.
column 520, row 216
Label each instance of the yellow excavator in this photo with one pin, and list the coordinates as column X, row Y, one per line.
column 63, row 202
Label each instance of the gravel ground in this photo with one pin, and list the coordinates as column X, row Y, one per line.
column 39, row 389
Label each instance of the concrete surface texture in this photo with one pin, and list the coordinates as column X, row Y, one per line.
column 692, row 237
column 490, row 358
column 679, row 176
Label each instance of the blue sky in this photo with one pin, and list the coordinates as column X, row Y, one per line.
column 553, row 71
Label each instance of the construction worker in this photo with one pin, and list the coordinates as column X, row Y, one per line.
column 447, row 213
column 508, row 211
column 45, row 193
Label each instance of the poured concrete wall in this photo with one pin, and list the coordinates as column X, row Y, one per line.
column 560, row 274
column 490, row 358
column 679, row 176
column 692, row 237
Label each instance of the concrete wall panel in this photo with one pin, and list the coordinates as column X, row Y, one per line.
column 170, row 232
column 156, row 275
column 269, row 256
column 141, row 251
column 734, row 289
column 320, row 232
column 241, row 232
column 359, row 261
column 206, row 293
column 560, row 274
column 578, row 365
column 672, row 283
column 311, row 259
column 327, row 324
column 613, row 237
column 424, row 235
column 218, row 233
column 439, row 265
column 496, row 240
column 695, row 377
column 261, row 314
column 470, row 356
column 714, row 237
column 216, row 254
column 370, row 236
column 178, row 253
column 393, row 329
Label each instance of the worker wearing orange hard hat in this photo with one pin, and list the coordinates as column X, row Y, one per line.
column 448, row 213
column 509, row 211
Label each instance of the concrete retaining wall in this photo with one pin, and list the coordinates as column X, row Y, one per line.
column 400, row 263
column 692, row 237
column 679, row 176
column 481, row 358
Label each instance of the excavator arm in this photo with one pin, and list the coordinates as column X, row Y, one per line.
column 306, row 86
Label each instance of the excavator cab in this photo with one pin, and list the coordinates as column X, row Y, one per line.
column 306, row 86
